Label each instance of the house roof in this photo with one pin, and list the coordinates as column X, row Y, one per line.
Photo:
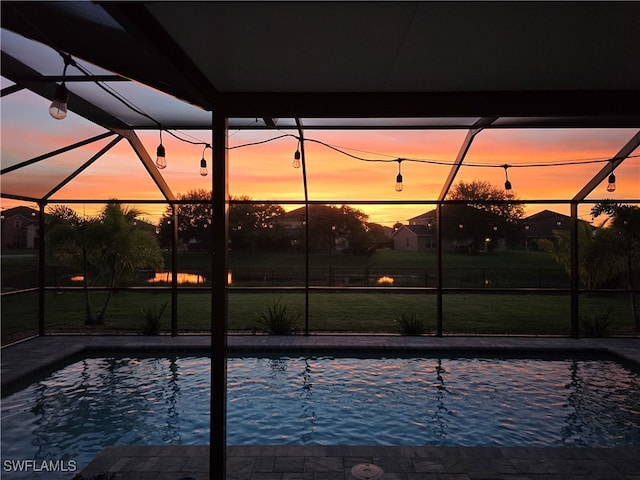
column 299, row 214
column 417, row 230
column 26, row 212
column 542, row 224
column 454, row 210
column 427, row 216
column 546, row 215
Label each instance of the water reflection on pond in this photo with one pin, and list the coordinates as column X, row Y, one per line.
column 165, row 277
column 183, row 277
column 385, row 280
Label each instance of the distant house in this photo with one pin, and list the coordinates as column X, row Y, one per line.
column 428, row 219
column 460, row 220
column 20, row 228
column 463, row 228
column 542, row 225
column 415, row 238
column 295, row 219
column 323, row 231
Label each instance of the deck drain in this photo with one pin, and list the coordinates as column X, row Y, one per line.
column 366, row 471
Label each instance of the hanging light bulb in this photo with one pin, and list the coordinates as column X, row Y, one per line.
column 203, row 163
column 507, row 183
column 611, row 186
column 296, row 157
column 58, row 108
column 399, row 185
column 161, row 159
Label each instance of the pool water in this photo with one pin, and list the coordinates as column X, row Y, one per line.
column 77, row 411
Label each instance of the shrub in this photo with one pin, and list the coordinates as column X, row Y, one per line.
column 277, row 321
column 410, row 324
column 596, row 325
column 151, row 319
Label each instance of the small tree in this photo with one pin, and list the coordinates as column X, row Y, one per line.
column 624, row 223
column 109, row 249
column 597, row 263
column 68, row 241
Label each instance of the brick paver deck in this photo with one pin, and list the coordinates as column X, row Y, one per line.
column 398, row 463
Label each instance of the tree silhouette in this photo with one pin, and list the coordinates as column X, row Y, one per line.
column 335, row 229
column 624, row 221
column 109, row 248
column 486, row 192
column 597, row 263
column 252, row 226
column 194, row 220
column 478, row 218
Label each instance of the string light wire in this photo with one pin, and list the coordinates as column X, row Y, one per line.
column 394, row 158
column 342, row 150
column 391, row 158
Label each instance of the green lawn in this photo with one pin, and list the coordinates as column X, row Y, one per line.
column 386, row 258
column 342, row 312
column 464, row 313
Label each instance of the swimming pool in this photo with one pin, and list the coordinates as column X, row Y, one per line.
column 75, row 412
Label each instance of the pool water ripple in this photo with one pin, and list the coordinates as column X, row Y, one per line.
column 96, row 402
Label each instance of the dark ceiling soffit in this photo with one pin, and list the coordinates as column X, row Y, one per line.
column 23, row 75
column 617, row 159
column 138, row 21
column 396, row 123
column 622, row 107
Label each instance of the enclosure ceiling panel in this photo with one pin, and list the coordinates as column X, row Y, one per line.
column 406, row 46
column 290, row 46
column 518, row 46
column 350, row 60
column 329, row 66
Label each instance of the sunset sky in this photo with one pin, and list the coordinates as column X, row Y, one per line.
column 265, row 172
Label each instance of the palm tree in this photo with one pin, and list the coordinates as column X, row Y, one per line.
column 108, row 248
column 597, row 262
column 624, row 222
